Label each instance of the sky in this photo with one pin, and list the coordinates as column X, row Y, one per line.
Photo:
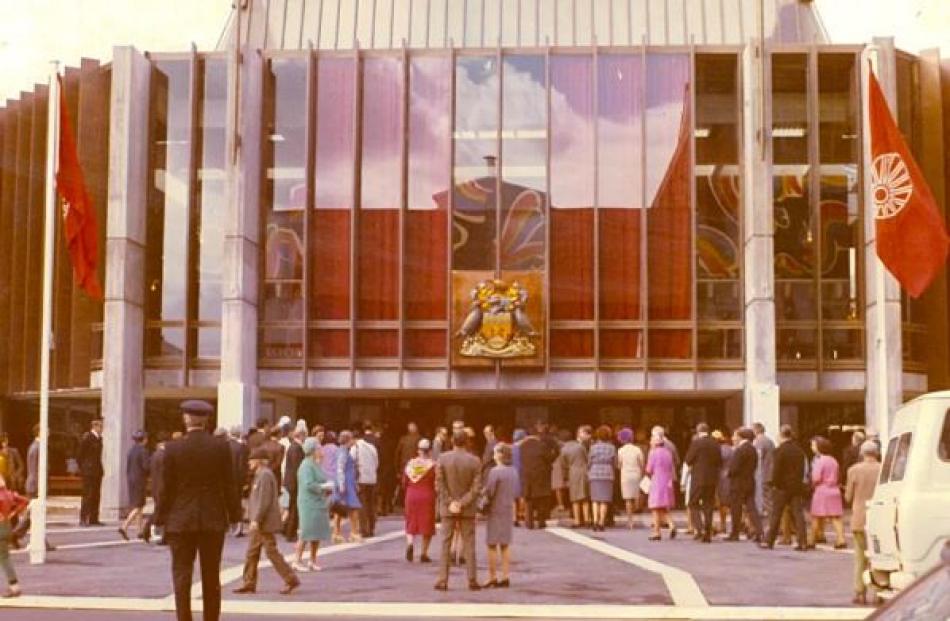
column 33, row 32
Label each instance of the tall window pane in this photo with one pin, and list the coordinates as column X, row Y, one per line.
column 718, row 211
column 425, row 271
column 795, row 248
column 333, row 204
column 620, row 202
column 523, row 201
column 284, row 196
column 167, row 217
column 474, row 188
column 572, row 200
column 210, row 195
column 380, row 198
column 668, row 174
column 842, row 336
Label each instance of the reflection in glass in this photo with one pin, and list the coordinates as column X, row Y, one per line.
column 718, row 193
column 426, row 246
column 329, row 270
column 524, row 157
column 284, row 198
column 167, row 219
column 620, row 201
column 572, row 200
column 380, row 198
column 668, row 183
column 476, row 163
column 207, row 240
column 840, row 212
column 795, row 245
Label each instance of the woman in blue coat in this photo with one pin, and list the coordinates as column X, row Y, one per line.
column 313, row 505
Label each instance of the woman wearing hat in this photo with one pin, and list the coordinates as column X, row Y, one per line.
column 630, row 462
column 313, row 505
column 418, row 480
column 137, row 466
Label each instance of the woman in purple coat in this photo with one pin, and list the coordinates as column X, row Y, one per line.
column 661, row 498
column 826, row 495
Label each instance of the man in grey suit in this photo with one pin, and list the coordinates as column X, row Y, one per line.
column 458, row 482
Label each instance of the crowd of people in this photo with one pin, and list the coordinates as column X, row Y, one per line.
column 318, row 486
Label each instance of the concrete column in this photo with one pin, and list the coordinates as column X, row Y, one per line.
column 238, row 391
column 882, row 310
column 760, row 402
column 123, row 397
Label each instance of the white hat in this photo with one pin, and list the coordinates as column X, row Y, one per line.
column 424, row 445
column 284, row 421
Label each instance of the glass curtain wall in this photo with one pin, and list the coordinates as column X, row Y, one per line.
column 167, row 217
column 331, row 219
column 914, row 341
column 669, row 210
column 573, row 187
column 283, row 194
column 567, row 177
column 817, row 209
column 207, row 228
column 378, row 294
column 718, row 209
column 425, row 262
column 620, row 165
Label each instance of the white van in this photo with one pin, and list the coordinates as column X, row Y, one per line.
column 908, row 519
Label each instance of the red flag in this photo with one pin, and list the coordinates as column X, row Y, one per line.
column 911, row 237
column 79, row 215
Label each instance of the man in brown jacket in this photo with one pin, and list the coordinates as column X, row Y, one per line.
column 859, row 488
column 264, row 513
column 458, row 482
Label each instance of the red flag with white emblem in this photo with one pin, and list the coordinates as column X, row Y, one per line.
column 79, row 215
column 911, row 237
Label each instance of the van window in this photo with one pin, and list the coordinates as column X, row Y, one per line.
column 943, row 449
column 888, row 460
column 901, row 457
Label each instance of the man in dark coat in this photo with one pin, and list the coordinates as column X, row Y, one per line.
column 745, row 461
column 294, row 459
column 90, row 467
column 239, row 467
column 197, row 504
column 537, row 457
column 704, row 459
column 388, row 480
column 788, row 487
column 406, row 449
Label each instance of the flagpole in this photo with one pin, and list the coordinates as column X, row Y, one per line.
column 881, row 381
column 38, row 516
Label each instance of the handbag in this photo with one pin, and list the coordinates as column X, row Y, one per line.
column 645, row 483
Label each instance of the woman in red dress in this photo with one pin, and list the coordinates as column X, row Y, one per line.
column 419, row 482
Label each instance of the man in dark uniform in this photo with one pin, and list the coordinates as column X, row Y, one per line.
column 90, row 467
column 199, row 501
column 705, row 460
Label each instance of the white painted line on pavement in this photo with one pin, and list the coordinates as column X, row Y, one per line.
column 286, row 607
column 236, row 571
column 83, row 529
column 683, row 588
column 81, row 546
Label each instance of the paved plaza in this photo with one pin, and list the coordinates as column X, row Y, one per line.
column 557, row 573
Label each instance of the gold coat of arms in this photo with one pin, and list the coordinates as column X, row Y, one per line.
column 497, row 323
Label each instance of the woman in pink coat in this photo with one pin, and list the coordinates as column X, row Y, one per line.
column 661, row 497
column 826, row 495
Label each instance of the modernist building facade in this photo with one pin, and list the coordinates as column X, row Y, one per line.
column 639, row 211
